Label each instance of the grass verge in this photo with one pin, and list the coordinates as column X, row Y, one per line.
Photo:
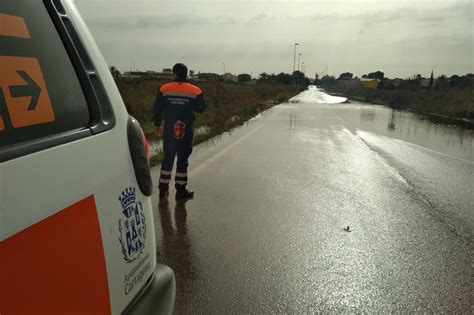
column 454, row 103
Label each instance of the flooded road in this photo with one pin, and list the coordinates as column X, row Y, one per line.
column 325, row 207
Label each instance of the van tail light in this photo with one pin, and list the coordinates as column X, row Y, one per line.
column 147, row 145
column 139, row 152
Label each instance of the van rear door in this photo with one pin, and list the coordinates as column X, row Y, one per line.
column 76, row 228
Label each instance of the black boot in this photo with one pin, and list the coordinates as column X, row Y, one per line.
column 184, row 194
column 163, row 196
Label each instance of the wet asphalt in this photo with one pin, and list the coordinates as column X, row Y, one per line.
column 325, row 208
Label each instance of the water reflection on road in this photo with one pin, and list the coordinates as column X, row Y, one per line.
column 455, row 139
column 175, row 248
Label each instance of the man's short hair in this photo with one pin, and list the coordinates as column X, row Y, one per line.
column 181, row 71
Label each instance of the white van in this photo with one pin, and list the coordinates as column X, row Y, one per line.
column 76, row 222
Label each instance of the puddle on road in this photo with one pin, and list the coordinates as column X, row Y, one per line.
column 451, row 137
column 455, row 139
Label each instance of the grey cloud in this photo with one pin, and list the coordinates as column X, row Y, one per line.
column 250, row 37
column 429, row 16
column 375, row 17
column 158, row 21
column 461, row 11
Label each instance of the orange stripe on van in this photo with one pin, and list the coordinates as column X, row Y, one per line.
column 13, row 26
column 181, row 87
column 56, row 266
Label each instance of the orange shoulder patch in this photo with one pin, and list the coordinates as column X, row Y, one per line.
column 181, row 87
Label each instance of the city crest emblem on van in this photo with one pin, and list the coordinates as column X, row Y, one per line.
column 132, row 226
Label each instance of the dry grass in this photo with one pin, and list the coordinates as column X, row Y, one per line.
column 228, row 104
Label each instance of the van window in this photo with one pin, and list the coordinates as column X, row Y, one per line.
column 40, row 94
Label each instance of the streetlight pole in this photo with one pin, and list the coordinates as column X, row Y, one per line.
column 294, row 58
column 299, row 55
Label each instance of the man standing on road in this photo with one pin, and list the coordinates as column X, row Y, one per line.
column 177, row 101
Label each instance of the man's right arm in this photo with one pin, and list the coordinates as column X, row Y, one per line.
column 158, row 110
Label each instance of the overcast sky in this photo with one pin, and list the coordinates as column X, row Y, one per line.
column 400, row 38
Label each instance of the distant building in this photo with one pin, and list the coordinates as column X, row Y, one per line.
column 349, row 83
column 166, row 74
column 229, row 77
column 370, row 83
column 396, row 83
column 208, row 77
column 133, row 74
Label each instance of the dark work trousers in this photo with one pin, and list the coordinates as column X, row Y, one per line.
column 172, row 148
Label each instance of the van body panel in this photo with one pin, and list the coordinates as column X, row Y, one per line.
column 38, row 188
column 66, row 245
column 68, row 173
column 160, row 292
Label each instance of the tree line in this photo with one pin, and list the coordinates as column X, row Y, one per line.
column 441, row 82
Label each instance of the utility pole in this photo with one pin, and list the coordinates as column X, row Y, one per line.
column 224, row 67
column 299, row 55
column 294, row 61
column 294, row 58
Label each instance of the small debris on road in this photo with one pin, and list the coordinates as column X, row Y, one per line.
column 347, row 229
